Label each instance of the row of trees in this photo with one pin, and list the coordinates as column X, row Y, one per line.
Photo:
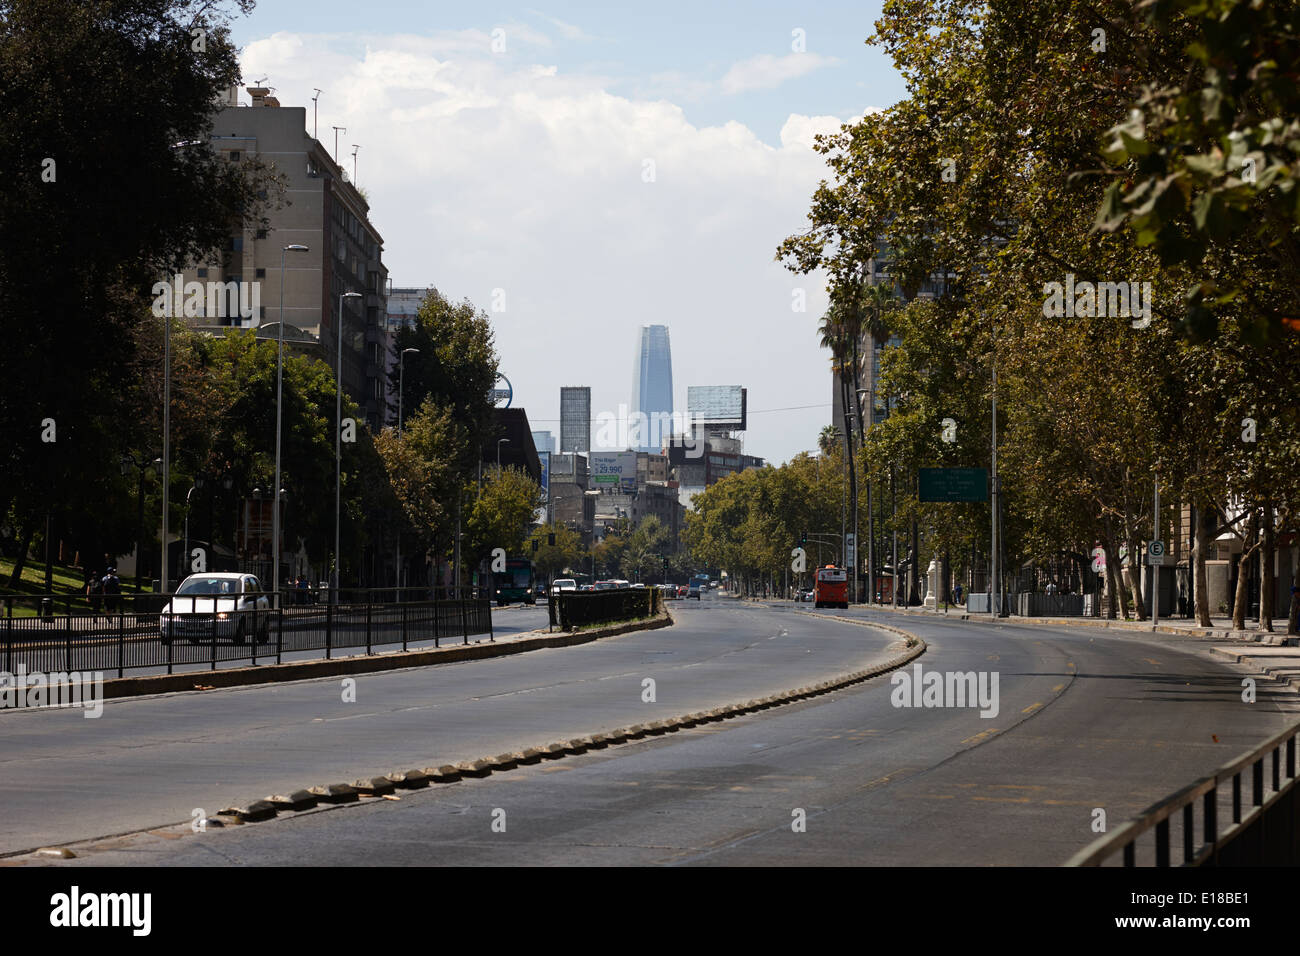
column 1077, row 142
column 109, row 184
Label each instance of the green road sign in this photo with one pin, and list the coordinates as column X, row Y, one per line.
column 954, row 484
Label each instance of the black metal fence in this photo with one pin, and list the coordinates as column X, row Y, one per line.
column 127, row 632
column 1265, row 832
column 570, row 609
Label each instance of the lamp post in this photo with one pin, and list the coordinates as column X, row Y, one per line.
column 401, row 389
column 592, row 494
column 499, row 443
column 279, row 415
column 863, row 427
column 338, row 442
column 185, row 552
column 142, row 466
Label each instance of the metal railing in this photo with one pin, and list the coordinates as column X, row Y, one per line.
column 128, row 632
column 1265, row 832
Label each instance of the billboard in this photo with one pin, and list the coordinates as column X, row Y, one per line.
column 721, row 406
column 545, row 458
column 614, row 470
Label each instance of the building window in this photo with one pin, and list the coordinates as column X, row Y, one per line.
column 236, row 244
column 202, row 273
column 234, row 155
column 259, row 274
column 261, row 234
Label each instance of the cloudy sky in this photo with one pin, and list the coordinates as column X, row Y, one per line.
column 605, row 166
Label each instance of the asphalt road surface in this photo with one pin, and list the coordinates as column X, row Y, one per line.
column 1085, row 720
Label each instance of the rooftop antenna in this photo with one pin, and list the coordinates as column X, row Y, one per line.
column 313, row 113
column 336, row 142
column 355, row 147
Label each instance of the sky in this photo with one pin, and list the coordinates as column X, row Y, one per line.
column 578, row 170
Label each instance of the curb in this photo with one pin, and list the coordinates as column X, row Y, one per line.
column 121, row 687
column 379, row 787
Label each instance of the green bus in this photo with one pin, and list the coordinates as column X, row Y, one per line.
column 516, row 583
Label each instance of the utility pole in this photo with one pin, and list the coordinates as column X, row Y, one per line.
column 1153, row 572
column 313, row 113
column 336, row 142
column 995, row 584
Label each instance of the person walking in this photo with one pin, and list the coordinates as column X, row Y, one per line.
column 95, row 595
column 112, row 586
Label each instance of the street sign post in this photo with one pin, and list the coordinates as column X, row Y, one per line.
column 953, row 484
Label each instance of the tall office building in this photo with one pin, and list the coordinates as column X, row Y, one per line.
column 652, row 387
column 575, row 418
column 544, row 442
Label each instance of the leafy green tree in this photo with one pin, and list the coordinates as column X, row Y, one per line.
column 501, row 515
column 550, row 560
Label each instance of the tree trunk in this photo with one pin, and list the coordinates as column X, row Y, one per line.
column 1204, row 522
column 1243, row 567
column 20, row 561
column 1267, row 581
column 1113, row 576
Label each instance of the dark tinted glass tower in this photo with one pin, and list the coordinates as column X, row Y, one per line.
column 652, row 387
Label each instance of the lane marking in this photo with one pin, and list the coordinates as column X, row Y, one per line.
column 1032, row 707
column 983, row 734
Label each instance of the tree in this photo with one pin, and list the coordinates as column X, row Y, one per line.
column 549, row 560
column 501, row 515
column 94, row 94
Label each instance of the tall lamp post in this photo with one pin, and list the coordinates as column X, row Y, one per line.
column 279, row 415
column 863, row 427
column 401, row 386
column 499, row 443
column 592, row 494
column 338, row 441
column 142, row 466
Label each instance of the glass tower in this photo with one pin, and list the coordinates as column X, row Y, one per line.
column 652, row 388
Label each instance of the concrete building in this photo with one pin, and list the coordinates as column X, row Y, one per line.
column 544, row 442
column 652, row 386
column 575, row 419
column 330, row 217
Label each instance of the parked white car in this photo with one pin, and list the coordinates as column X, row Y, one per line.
column 227, row 605
column 563, row 584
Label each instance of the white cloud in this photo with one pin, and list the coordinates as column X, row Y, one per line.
column 765, row 72
column 486, row 172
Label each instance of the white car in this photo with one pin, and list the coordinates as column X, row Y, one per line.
column 563, row 584
column 226, row 605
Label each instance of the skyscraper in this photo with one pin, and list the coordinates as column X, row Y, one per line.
column 652, row 387
column 575, row 418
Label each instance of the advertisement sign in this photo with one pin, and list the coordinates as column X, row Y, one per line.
column 609, row 468
column 545, row 458
column 953, row 484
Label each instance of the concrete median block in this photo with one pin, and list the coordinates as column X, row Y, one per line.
column 474, row 768
column 444, row 774
column 225, row 820
column 374, row 786
column 635, row 732
column 578, row 745
column 599, row 741
column 56, row 852
column 530, row 755
column 616, row 736
column 410, row 779
column 255, row 811
column 297, row 800
column 504, row 762
column 336, row 793
column 552, row 751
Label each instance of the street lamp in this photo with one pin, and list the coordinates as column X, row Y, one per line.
column 142, row 466
column 401, row 385
column 499, row 441
column 279, row 409
column 338, row 439
column 864, row 425
column 592, row 494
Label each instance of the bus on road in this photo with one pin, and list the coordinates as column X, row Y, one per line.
column 515, row 583
column 832, row 587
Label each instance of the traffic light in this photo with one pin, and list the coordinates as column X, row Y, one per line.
column 535, row 544
column 550, row 540
column 803, row 538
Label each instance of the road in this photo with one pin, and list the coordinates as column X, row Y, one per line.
column 1085, row 721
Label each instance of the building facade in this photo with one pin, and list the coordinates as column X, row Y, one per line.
column 575, row 419
column 652, row 386
column 344, row 253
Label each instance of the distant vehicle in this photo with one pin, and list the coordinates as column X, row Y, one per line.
column 683, row 591
column 217, row 605
column 832, row 587
column 699, row 582
column 515, row 583
column 803, row 595
column 587, row 587
column 638, row 585
column 563, row 584
column 605, row 585
column 669, row 591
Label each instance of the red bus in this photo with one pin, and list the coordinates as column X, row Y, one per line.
column 832, row 587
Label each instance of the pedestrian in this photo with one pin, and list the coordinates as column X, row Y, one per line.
column 112, row 586
column 95, row 595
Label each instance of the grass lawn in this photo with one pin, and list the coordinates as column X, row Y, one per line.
column 67, row 581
